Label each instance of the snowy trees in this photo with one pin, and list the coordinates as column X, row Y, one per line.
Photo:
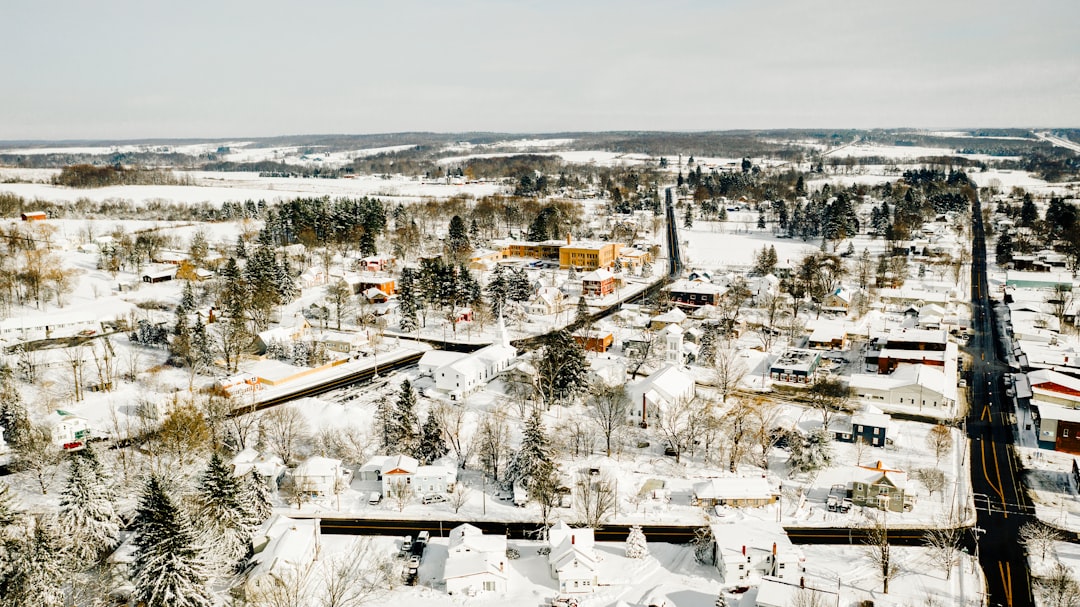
column 729, row 368
column 944, row 543
column 431, row 446
column 876, row 547
column 356, row 576
column 931, row 478
column 940, row 441
column 1039, row 538
column 32, row 570
column 492, row 442
column 9, row 511
column 281, row 429
column 829, row 396
column 811, row 453
column 36, row 453
column 704, row 545
column 87, row 514
column 339, row 296
column 397, row 424
column 595, row 498
column 408, row 300
column 560, row 368
column 533, row 459
column 14, row 418
column 225, row 518
column 636, row 546
column 167, row 570
column 609, row 408
column 1058, row 588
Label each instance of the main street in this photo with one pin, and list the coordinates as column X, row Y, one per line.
column 1001, row 503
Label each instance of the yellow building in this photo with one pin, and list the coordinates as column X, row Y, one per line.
column 588, row 255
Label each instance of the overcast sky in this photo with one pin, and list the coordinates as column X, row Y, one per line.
column 115, row 70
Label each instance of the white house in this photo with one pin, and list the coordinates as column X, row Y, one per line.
column 751, row 492
column 546, row 301
column 572, row 560
column 269, row 467
column 774, row 592
column 672, row 339
column 911, row 385
column 747, row 550
column 392, row 469
column 469, row 373
column 283, row 546
column 475, row 563
column 662, row 389
column 320, row 475
column 69, row 431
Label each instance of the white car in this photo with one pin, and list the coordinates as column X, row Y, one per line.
column 433, row 498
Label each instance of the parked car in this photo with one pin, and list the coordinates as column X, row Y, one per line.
column 504, row 496
column 406, row 545
column 374, row 498
column 433, row 498
column 423, row 537
column 414, row 561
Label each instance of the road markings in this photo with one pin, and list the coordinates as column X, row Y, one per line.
column 986, row 475
column 1006, row 581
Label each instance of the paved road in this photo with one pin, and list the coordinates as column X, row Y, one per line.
column 1001, row 503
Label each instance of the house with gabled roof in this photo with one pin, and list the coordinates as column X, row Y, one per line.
column 389, row 470
column 662, row 389
column 748, row 550
column 879, row 487
column 283, row 546
column 572, row 559
column 475, row 563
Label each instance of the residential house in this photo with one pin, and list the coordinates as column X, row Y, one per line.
column 476, row 563
column 389, row 470
column 916, row 346
column 870, row 425
column 909, row 386
column 595, row 341
column 663, row 389
column 879, row 487
column 374, row 295
column 774, row 592
column 469, row 373
column 828, row 336
column 160, row 274
column 752, row 492
column 598, row 283
column 312, row 277
column 689, row 294
column 546, row 301
column 795, row 366
column 340, row 341
column 386, row 284
column 269, row 467
column 748, row 551
column 1055, row 405
column 572, row 559
column 837, row 301
column 283, row 547
column 321, row 476
column 376, row 263
column 671, row 337
column 674, row 316
column 69, row 432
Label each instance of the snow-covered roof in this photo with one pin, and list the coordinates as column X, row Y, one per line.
column 775, row 592
column 730, row 488
column 400, row 464
column 318, row 466
column 468, row 537
column 672, row 316
column 670, row 382
column 439, row 358
column 597, row 276
column 1053, row 381
column 1057, row 412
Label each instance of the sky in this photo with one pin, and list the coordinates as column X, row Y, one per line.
column 226, row 69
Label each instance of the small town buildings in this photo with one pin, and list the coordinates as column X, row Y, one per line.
column 238, row 384
column 598, row 283
column 392, row 469
column 870, row 425
column 837, row 301
column 879, row 487
column 672, row 340
column 748, row 551
column 272, row 373
column 572, row 559
column 160, row 274
column 752, row 492
column 469, row 373
column 476, row 563
column 916, row 346
column 283, row 547
column 795, row 366
column 69, row 432
column 661, row 390
column 689, row 294
column 269, row 467
column 595, row 341
column 828, row 336
column 1055, row 404
column 588, row 255
column 386, row 284
column 910, row 386
column 34, row 216
column 674, row 316
column 375, row 263
column 321, row 476
column 312, row 277
column 546, row 301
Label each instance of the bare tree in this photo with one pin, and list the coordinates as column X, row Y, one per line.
column 944, row 542
column 459, row 497
column 242, row 422
column 282, row 429
column 809, row 597
column 401, row 493
column 1058, row 588
column 829, row 396
column 594, row 498
column 349, row 443
column 609, row 408
column 861, row 447
column 492, row 442
column 1039, row 537
column 675, row 423
column 36, row 453
column 876, row 547
column 75, row 360
column 1060, row 300
column 291, row 587
column 339, row 295
column 763, row 414
column 931, row 478
column 452, row 420
column 105, row 362
column 357, row 576
column 739, row 427
column 940, row 441
column 728, row 368
column 645, row 350
column 184, row 432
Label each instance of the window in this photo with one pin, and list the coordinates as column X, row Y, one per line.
column 489, row 586
column 1065, row 433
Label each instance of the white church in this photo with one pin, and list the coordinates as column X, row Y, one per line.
column 460, row 374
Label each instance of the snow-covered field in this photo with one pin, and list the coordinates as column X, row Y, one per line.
column 734, row 243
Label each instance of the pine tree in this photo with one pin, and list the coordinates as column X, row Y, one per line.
column 571, row 274
column 87, row 514
column 9, row 508
column 167, row 570
column 646, row 268
column 636, row 545
column 457, row 241
column 562, row 367
column 255, row 498
column 707, row 347
column 533, row 460
column 498, row 290
column 407, row 300
column 13, row 416
column 432, row 444
column 187, row 300
column 582, row 315
column 180, row 346
column 35, row 573
column 405, row 436
column 519, row 288
column 384, row 425
column 219, row 509
column 688, row 218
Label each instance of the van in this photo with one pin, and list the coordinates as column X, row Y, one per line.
column 423, row 537
column 374, row 498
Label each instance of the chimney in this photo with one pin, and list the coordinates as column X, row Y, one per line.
column 572, row 539
column 802, row 582
column 774, row 549
column 744, row 550
column 568, row 235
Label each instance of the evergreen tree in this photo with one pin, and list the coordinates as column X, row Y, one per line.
column 636, row 545
column 9, row 508
column 221, row 512
column 519, row 288
column 498, row 289
column 255, row 498
column 180, row 346
column 407, row 300
column 457, row 241
column 432, row 444
column 405, row 436
column 582, row 315
column 707, row 348
column 561, row 367
column 367, row 244
column 646, row 268
column 1028, row 212
column 13, row 416
column 571, row 274
column 202, row 349
column 167, row 570
column 761, row 219
column 538, row 229
column 384, row 425
column 87, row 514
column 187, row 300
column 533, row 460
column 688, row 218
column 811, row 453
column 240, row 252
column 34, row 572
